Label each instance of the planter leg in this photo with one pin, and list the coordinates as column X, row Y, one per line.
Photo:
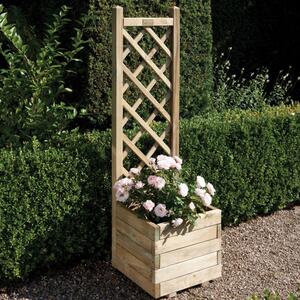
column 172, row 295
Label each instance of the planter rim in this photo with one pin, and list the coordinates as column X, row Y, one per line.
column 166, row 223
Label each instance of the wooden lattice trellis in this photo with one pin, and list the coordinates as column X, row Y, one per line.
column 168, row 140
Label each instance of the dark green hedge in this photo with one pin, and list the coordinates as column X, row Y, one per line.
column 196, row 56
column 196, row 59
column 252, row 158
column 54, row 203
column 55, row 199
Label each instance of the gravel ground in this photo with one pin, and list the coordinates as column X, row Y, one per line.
column 261, row 253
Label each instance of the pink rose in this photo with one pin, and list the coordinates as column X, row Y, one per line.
column 156, row 181
column 122, row 195
column 148, row 205
column 163, row 165
column 192, row 206
column 183, row 189
column 207, row 199
column 165, row 162
column 139, row 185
column 176, row 222
column 126, row 183
column 160, row 210
column 178, row 166
column 152, row 161
column 134, row 171
column 210, row 188
column 200, row 182
column 200, row 192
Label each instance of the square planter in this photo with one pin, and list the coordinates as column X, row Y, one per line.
column 163, row 260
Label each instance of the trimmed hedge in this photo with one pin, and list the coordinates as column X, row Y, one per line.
column 196, row 58
column 54, row 203
column 252, row 158
column 55, row 199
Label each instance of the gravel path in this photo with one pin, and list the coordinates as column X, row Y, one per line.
column 261, row 253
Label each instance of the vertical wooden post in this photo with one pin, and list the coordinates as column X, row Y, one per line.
column 175, row 69
column 117, row 112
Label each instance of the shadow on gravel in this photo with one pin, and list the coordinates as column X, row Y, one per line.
column 97, row 280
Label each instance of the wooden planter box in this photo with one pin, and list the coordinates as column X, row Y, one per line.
column 163, row 260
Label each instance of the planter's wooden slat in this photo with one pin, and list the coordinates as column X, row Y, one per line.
column 183, row 268
column 135, row 249
column 208, row 219
column 186, row 253
column 191, row 279
column 134, row 262
column 148, row 229
column 148, row 22
column 140, row 280
column 134, row 235
column 185, row 240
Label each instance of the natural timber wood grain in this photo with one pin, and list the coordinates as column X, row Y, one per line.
column 149, row 229
column 175, row 41
column 140, row 280
column 117, row 111
column 128, row 49
column 134, row 262
column 159, row 42
column 189, row 280
column 134, row 235
column 190, row 238
column 209, row 218
column 146, row 127
column 148, row 22
column 183, row 268
column 186, row 253
column 146, row 58
column 152, row 52
column 141, row 253
column 146, row 93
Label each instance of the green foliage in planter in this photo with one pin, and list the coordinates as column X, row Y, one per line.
column 54, row 203
column 32, row 86
column 196, row 59
column 251, row 157
column 55, row 198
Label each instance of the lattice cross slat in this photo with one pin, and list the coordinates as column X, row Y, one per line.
column 122, row 110
column 146, row 58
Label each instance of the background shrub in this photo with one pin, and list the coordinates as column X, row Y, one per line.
column 261, row 33
column 55, row 197
column 249, row 91
column 32, row 85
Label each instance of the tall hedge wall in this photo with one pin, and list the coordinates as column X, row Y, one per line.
column 55, row 199
column 92, row 84
column 196, row 47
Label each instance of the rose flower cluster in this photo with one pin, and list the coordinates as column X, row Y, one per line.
column 159, row 194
